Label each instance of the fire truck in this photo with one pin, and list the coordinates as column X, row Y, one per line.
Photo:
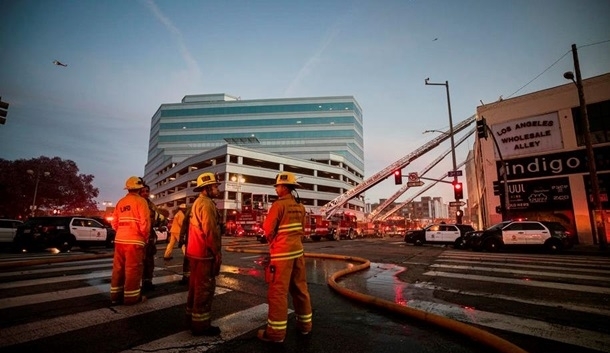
column 343, row 225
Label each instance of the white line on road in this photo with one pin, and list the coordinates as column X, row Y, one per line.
column 571, row 335
column 47, row 328
column 522, row 282
column 522, row 272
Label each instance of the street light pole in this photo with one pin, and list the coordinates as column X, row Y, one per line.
column 31, row 172
column 455, row 178
column 597, row 203
column 239, row 180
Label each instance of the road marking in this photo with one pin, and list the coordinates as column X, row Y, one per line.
column 567, row 266
column 566, row 334
column 522, row 282
column 548, row 303
column 522, row 272
column 232, row 326
column 47, row 328
column 71, row 293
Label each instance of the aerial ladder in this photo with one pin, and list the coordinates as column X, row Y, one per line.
column 403, row 204
column 333, row 206
column 373, row 215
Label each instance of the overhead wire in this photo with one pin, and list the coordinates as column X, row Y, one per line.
column 553, row 64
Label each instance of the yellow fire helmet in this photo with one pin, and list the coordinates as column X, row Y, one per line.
column 204, row 180
column 134, row 183
column 286, row 178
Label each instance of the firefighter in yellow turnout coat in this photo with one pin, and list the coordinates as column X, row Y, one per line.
column 284, row 227
column 131, row 220
column 203, row 250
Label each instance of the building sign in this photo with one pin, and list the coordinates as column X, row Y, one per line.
column 540, row 195
column 529, row 135
column 555, row 164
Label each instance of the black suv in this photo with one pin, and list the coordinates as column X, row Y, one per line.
column 437, row 233
column 551, row 235
column 61, row 232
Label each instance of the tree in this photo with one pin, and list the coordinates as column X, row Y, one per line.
column 60, row 187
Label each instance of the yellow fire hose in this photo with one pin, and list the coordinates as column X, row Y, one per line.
column 475, row 334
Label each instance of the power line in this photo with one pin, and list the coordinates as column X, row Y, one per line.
column 553, row 64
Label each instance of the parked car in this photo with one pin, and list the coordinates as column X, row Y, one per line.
column 109, row 229
column 162, row 234
column 464, row 241
column 60, row 232
column 551, row 235
column 437, row 234
column 8, row 229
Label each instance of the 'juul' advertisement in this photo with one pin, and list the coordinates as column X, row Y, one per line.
column 540, row 195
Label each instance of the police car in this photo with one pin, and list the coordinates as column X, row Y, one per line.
column 437, row 233
column 527, row 233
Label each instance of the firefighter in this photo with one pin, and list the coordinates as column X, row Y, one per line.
column 203, row 250
column 131, row 221
column 174, row 231
column 284, row 228
column 184, row 232
column 156, row 220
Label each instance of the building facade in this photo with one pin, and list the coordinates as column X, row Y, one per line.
column 540, row 139
column 248, row 141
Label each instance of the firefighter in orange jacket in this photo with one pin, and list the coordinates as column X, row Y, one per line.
column 203, row 250
column 131, row 220
column 286, row 272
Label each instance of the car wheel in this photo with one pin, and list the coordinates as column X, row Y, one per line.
column 492, row 245
column 553, row 246
column 315, row 237
column 460, row 243
column 67, row 244
column 350, row 234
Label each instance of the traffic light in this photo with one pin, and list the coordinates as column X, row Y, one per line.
column 458, row 191
column 459, row 215
column 482, row 128
column 3, row 111
column 398, row 177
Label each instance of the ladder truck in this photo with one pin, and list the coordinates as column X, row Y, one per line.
column 335, row 205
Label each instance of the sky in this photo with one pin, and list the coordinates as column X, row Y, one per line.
column 127, row 57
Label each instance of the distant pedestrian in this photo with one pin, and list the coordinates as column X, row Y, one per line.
column 131, row 221
column 174, row 232
column 284, row 228
column 157, row 220
column 203, row 250
column 184, row 232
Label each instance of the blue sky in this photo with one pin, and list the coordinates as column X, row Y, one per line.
column 125, row 58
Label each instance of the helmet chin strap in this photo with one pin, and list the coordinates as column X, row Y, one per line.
column 296, row 195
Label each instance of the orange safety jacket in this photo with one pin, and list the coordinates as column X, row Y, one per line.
column 283, row 228
column 204, row 230
column 131, row 220
column 177, row 222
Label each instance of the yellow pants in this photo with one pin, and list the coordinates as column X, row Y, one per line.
column 287, row 276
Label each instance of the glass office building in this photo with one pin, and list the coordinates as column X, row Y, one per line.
column 319, row 137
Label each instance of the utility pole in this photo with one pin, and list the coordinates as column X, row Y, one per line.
column 597, row 203
column 455, row 178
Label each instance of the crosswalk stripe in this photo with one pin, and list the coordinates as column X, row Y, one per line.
column 547, row 302
column 522, row 282
column 569, row 266
column 521, row 272
column 43, row 281
column 232, row 326
column 70, row 293
column 565, row 334
column 46, row 328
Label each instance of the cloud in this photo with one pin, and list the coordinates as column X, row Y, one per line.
column 186, row 54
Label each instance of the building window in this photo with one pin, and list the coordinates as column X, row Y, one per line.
column 599, row 122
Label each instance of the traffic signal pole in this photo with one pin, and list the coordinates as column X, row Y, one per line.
column 455, row 178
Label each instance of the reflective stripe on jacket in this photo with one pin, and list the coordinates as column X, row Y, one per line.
column 131, row 220
column 284, row 228
column 204, row 230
